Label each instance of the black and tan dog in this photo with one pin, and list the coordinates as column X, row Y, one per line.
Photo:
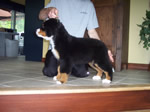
column 69, row 50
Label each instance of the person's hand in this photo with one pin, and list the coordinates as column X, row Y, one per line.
column 53, row 13
column 110, row 56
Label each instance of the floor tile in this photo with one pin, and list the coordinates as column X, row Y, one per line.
column 29, row 83
column 16, row 72
column 8, row 78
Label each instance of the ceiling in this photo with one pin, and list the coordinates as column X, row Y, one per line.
column 17, row 5
column 22, row 2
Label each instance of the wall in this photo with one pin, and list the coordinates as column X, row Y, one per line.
column 33, row 46
column 136, row 52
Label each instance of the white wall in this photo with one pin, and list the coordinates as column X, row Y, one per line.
column 137, row 54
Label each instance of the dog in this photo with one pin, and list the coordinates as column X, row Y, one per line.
column 70, row 50
column 51, row 64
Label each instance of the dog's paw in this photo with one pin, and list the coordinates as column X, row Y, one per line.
column 58, row 82
column 106, row 81
column 96, row 77
column 55, row 78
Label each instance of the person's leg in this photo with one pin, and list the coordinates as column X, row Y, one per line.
column 51, row 64
column 80, row 70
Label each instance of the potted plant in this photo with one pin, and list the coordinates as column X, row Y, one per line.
column 145, row 31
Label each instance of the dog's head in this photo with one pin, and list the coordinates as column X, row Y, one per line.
column 48, row 29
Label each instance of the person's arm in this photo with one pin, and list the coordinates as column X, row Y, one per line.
column 93, row 34
column 50, row 12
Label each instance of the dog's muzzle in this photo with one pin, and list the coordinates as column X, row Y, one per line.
column 42, row 34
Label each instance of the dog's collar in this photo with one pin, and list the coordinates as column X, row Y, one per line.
column 47, row 19
column 53, row 18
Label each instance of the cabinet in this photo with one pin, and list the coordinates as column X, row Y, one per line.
column 3, row 45
column 113, row 17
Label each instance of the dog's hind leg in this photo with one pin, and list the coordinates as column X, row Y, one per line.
column 99, row 71
column 107, row 74
column 107, row 79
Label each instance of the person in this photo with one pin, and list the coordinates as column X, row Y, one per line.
column 77, row 16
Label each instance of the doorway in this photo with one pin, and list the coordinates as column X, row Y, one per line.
column 12, row 28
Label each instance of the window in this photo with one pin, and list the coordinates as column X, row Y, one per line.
column 12, row 20
column 19, row 22
column 5, row 19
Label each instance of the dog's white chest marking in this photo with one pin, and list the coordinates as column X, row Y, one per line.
column 41, row 36
column 54, row 51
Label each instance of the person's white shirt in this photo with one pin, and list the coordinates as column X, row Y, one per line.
column 76, row 15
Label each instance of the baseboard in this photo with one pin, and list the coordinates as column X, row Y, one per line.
column 137, row 66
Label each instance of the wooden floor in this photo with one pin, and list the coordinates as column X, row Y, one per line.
column 147, row 110
column 117, row 101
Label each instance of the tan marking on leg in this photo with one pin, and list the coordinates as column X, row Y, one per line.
column 58, row 73
column 99, row 71
column 64, row 78
column 106, row 73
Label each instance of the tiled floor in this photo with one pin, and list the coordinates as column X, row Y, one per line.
column 16, row 72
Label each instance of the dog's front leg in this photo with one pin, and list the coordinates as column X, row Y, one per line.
column 56, row 78
column 63, row 72
column 61, row 77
